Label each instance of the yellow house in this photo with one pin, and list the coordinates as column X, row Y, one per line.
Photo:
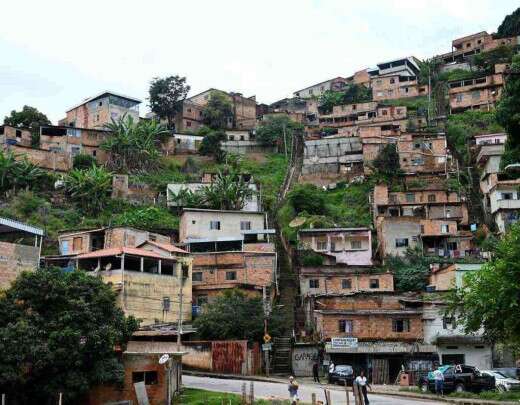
column 151, row 286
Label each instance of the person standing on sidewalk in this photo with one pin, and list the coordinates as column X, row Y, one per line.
column 316, row 372
column 362, row 381
column 438, row 377
column 293, row 390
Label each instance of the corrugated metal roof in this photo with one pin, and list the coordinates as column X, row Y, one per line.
column 99, row 95
column 11, row 223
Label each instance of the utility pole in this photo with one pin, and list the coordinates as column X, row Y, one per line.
column 285, row 141
column 179, row 324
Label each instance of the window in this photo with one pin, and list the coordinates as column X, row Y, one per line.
column 410, row 197
column 245, row 225
column 311, row 91
column 100, row 103
column 346, row 284
column 384, row 112
column 231, row 137
column 507, row 196
column 422, row 229
column 149, row 377
column 431, row 198
column 231, row 275
column 189, row 110
column 321, row 245
column 448, row 323
column 166, row 303
column 214, row 225
column 346, row 325
column 18, row 133
column 355, row 244
column 401, row 242
column 400, row 325
column 197, row 276
column 459, row 98
column 94, row 153
column 64, row 247
column 374, row 283
column 188, row 123
column 314, row 283
column 445, row 228
column 475, row 95
column 417, row 145
column 452, row 246
column 77, row 243
column 242, row 138
column 392, row 81
column 333, row 246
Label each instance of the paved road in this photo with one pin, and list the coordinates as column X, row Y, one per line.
column 279, row 390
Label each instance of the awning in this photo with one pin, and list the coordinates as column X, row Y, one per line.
column 383, row 347
column 10, row 225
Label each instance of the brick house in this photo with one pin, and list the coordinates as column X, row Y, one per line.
column 481, row 93
column 253, row 272
column 244, row 108
column 97, row 111
column 316, row 90
column 387, row 328
column 15, row 136
column 73, row 243
column 350, row 246
column 74, row 141
column 17, row 256
column 394, row 86
column 161, row 381
column 363, row 114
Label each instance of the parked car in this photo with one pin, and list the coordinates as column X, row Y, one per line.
column 459, row 378
column 340, row 374
column 511, row 372
column 503, row 382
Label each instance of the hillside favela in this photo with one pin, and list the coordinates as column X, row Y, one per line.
column 304, row 203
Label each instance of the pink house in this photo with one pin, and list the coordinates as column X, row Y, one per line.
column 351, row 246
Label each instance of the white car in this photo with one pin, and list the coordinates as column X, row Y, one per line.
column 502, row 382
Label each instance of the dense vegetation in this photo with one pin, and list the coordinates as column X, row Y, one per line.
column 63, row 329
column 510, row 27
column 352, row 93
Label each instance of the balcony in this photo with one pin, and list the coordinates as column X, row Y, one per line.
column 489, row 150
column 508, row 205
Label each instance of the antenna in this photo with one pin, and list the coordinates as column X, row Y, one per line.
column 164, row 358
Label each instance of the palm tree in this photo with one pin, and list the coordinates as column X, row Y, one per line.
column 132, row 146
column 227, row 192
column 90, row 189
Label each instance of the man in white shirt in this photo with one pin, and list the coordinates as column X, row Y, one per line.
column 362, row 381
column 438, row 377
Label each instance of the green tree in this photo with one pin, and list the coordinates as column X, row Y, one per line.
column 352, row 93
column 387, row 162
column 490, row 296
column 167, row 96
column 411, row 271
column 233, row 315
column 89, row 189
column 133, row 146
column 510, row 27
column 277, row 130
column 30, row 118
column 211, row 145
column 147, row 217
column 307, row 198
column 16, row 174
column 218, row 112
column 508, row 114
column 485, row 61
column 83, row 161
column 58, row 332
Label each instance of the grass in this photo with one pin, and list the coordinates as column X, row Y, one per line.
column 411, row 103
column 192, row 396
column 487, row 395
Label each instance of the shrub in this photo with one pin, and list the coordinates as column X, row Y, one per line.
column 83, row 161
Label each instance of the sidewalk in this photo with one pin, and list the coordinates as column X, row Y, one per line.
column 390, row 390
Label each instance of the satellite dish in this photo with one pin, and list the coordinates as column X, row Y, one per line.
column 164, row 358
column 298, row 221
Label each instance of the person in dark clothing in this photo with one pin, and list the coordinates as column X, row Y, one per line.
column 315, row 372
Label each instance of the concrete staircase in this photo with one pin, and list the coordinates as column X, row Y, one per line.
column 282, row 355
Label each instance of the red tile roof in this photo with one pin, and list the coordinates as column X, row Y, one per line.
column 121, row 250
column 165, row 246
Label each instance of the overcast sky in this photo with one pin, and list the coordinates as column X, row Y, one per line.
column 55, row 53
